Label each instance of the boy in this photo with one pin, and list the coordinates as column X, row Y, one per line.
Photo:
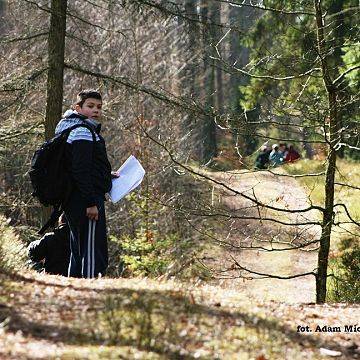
column 91, row 176
column 52, row 251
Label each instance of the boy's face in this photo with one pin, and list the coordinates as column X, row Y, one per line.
column 91, row 108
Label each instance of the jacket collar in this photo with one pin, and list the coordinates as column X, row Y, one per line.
column 93, row 123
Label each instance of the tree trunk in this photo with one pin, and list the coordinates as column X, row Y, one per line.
column 309, row 152
column 338, row 33
column 215, row 18
column 326, row 226
column 55, row 78
column 208, row 130
column 2, row 15
column 190, row 80
column 56, row 49
column 242, row 18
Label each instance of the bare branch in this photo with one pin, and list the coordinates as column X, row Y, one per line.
column 19, row 133
column 260, row 7
column 296, row 176
column 174, row 9
column 20, row 83
column 348, row 185
column 22, row 38
column 190, row 170
column 124, row 81
column 340, row 77
column 252, row 247
column 347, row 213
column 353, row 8
column 340, row 144
column 271, row 275
column 289, row 140
column 276, row 78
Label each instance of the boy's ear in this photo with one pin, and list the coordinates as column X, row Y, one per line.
column 77, row 107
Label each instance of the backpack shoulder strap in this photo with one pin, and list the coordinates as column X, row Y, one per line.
column 67, row 131
column 54, row 217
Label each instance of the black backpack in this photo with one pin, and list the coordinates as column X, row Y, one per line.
column 49, row 175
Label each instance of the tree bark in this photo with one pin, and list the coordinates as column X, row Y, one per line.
column 2, row 15
column 323, row 255
column 338, row 31
column 215, row 18
column 307, row 146
column 243, row 18
column 208, row 130
column 55, row 79
column 190, row 78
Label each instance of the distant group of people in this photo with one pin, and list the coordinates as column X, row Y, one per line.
column 278, row 154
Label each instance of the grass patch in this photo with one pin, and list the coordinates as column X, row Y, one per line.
column 313, row 185
column 345, row 255
column 347, row 173
column 173, row 326
column 106, row 352
column 13, row 255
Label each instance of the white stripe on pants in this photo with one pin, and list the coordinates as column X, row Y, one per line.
column 90, row 273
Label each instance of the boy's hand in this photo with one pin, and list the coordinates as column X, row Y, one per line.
column 92, row 213
column 114, row 175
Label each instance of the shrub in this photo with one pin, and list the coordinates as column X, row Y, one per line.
column 148, row 253
column 345, row 285
column 152, row 247
column 12, row 251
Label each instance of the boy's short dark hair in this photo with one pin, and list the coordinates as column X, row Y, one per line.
column 87, row 94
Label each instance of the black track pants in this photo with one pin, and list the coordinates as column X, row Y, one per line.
column 88, row 239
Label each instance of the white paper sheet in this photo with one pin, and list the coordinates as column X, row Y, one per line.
column 131, row 175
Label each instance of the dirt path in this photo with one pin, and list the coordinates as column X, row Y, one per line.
column 280, row 192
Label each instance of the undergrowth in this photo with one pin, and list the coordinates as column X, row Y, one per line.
column 152, row 249
column 344, row 285
column 347, row 173
column 12, row 250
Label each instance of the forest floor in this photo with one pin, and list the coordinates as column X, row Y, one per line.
column 52, row 317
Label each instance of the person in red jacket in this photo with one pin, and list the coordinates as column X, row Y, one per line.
column 291, row 154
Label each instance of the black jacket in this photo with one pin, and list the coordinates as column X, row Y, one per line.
column 87, row 160
column 54, row 248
